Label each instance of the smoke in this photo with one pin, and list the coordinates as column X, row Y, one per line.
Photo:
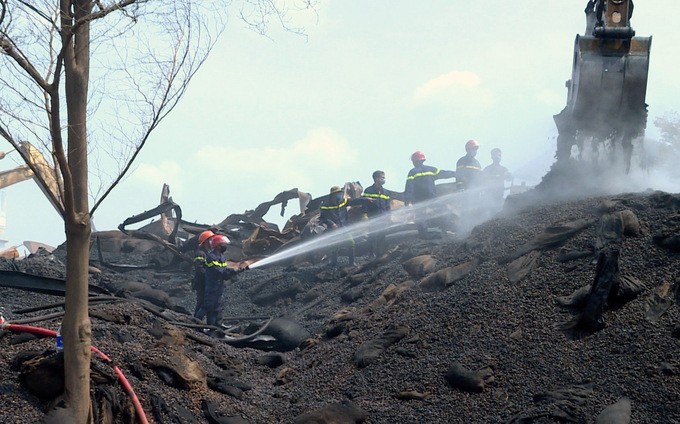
column 453, row 214
column 599, row 171
column 598, row 168
column 656, row 167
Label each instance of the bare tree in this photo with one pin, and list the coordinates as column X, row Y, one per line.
column 87, row 81
column 669, row 126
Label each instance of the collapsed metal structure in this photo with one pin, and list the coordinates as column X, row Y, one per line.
column 174, row 239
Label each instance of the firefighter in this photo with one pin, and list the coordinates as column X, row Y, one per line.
column 495, row 176
column 380, row 203
column 198, row 282
column 333, row 214
column 420, row 187
column 468, row 169
column 217, row 272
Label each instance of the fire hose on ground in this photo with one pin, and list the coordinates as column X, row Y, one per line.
column 141, row 415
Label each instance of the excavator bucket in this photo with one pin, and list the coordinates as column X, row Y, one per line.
column 608, row 85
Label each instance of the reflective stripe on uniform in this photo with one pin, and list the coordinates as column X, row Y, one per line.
column 217, row 264
column 199, row 259
column 470, row 167
column 422, row 174
column 376, row 196
column 334, row 207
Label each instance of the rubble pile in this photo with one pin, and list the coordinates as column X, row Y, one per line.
column 553, row 313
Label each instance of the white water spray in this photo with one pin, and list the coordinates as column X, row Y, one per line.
column 449, row 205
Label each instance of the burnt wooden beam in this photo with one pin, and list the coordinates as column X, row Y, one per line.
column 39, row 284
column 606, row 282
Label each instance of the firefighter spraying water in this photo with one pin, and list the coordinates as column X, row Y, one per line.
column 436, row 209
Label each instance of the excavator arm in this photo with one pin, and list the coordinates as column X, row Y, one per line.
column 612, row 18
column 16, row 175
column 45, row 172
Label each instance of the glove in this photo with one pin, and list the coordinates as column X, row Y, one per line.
column 245, row 268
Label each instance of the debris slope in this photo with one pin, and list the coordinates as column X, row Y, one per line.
column 497, row 327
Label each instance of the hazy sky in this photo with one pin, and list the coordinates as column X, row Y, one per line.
column 371, row 83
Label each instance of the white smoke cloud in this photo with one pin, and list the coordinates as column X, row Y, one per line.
column 155, row 175
column 321, row 151
column 447, row 82
column 462, row 89
column 231, row 179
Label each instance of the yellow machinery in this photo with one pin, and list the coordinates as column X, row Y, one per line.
column 606, row 107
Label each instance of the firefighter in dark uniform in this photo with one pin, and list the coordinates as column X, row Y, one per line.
column 380, row 199
column 420, row 187
column 217, row 272
column 198, row 283
column 495, row 176
column 333, row 215
column 468, row 168
column 469, row 184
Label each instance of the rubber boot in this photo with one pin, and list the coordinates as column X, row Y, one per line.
column 351, row 256
column 380, row 248
column 199, row 313
column 373, row 243
column 422, row 229
column 212, row 319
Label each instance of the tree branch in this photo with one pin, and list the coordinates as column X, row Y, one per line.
column 10, row 49
column 266, row 9
column 6, row 135
column 169, row 99
column 38, row 12
column 3, row 10
column 103, row 11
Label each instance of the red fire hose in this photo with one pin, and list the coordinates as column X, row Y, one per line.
column 141, row 415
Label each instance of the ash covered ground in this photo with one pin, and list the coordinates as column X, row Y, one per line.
column 450, row 330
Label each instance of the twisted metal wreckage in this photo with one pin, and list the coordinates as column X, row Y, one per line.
column 251, row 237
column 168, row 243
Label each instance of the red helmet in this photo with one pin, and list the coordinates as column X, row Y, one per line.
column 471, row 144
column 218, row 241
column 418, row 156
column 205, row 235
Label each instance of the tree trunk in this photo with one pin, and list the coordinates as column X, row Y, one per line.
column 76, row 328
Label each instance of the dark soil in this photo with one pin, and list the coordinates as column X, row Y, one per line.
column 537, row 369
